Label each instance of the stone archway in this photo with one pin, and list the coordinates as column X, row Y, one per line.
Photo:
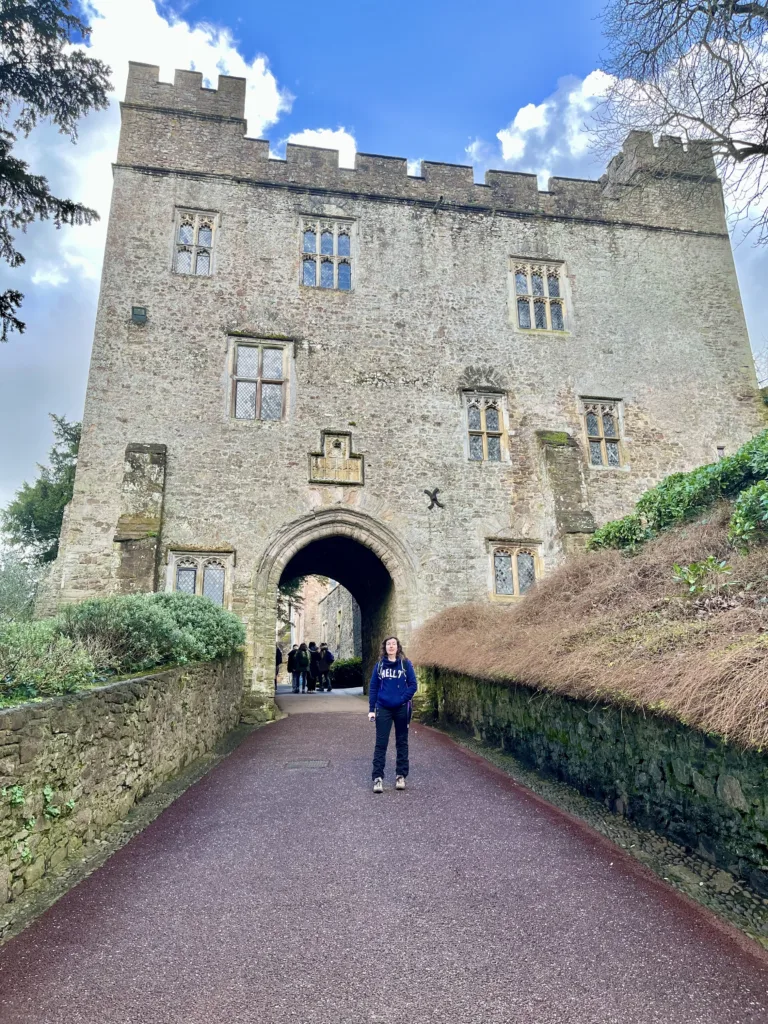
column 383, row 577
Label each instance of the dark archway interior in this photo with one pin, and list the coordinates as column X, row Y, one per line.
column 364, row 575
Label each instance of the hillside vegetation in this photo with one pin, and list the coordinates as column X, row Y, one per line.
column 668, row 612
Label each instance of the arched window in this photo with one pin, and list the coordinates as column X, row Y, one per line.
column 214, row 575
column 194, row 244
column 601, row 419
column 200, row 574
column 538, row 285
column 485, row 425
column 186, row 576
column 515, row 570
column 335, row 248
column 526, row 571
column 309, row 272
column 326, row 274
column 345, row 276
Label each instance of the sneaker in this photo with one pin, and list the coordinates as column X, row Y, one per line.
column 378, row 785
column 400, row 782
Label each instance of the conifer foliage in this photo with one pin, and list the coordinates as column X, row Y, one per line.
column 33, row 519
column 42, row 78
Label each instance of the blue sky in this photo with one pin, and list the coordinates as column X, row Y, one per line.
column 507, row 85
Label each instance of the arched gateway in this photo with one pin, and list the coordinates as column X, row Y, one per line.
column 355, row 549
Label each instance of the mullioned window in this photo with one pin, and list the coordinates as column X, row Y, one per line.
column 326, row 254
column 515, row 570
column 194, row 243
column 539, row 300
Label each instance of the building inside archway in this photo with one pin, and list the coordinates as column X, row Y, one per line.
column 347, row 598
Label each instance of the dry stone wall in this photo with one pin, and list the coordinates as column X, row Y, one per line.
column 72, row 766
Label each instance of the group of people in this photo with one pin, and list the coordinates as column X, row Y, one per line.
column 309, row 667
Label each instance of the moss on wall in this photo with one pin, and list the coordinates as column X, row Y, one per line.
column 700, row 791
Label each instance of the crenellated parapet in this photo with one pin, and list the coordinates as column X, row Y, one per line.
column 186, row 94
column 185, row 127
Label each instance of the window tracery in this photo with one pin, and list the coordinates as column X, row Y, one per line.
column 201, row 574
column 326, row 248
column 538, row 295
column 485, row 427
column 193, row 251
column 515, row 570
column 602, row 425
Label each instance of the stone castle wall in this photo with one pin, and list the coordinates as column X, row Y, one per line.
column 72, row 766
column 654, row 319
column 339, row 615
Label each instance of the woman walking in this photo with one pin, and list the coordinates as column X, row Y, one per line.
column 392, row 686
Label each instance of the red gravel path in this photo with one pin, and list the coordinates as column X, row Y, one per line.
column 272, row 895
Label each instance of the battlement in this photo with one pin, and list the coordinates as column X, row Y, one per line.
column 187, row 93
column 680, row 185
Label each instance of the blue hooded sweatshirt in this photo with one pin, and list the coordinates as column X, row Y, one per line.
column 393, row 683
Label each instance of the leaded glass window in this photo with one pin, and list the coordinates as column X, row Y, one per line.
column 213, row 582
column 193, row 252
column 601, row 419
column 485, row 426
column 258, row 382
column 186, row 577
column 526, row 571
column 330, row 265
column 502, row 570
column 538, row 296
column 200, row 574
column 514, row 571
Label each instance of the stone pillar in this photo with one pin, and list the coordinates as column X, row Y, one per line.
column 564, row 467
column 137, row 537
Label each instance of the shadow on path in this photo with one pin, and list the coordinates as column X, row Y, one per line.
column 281, row 894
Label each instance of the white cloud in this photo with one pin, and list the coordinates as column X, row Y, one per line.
column 329, row 138
column 549, row 135
column 414, row 168
column 123, row 32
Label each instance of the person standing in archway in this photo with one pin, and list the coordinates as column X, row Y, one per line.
column 393, row 684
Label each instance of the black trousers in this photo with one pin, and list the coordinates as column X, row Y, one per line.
column 385, row 718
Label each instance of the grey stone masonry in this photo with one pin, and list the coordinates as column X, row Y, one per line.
column 72, row 766
column 415, row 360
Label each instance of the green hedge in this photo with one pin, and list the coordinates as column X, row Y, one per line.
column 108, row 637
column 682, row 496
column 347, row 673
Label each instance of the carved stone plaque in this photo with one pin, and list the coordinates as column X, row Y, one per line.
column 335, row 464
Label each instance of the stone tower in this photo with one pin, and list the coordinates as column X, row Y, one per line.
column 427, row 389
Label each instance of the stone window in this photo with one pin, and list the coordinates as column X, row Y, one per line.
column 193, row 248
column 204, row 574
column 603, row 429
column 485, row 427
column 326, row 254
column 539, row 300
column 515, row 570
column 259, row 381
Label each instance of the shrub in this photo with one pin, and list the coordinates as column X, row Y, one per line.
column 132, row 632
column 347, row 673
column 36, row 660
column 212, row 631
column 682, row 496
column 141, row 631
column 749, row 521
